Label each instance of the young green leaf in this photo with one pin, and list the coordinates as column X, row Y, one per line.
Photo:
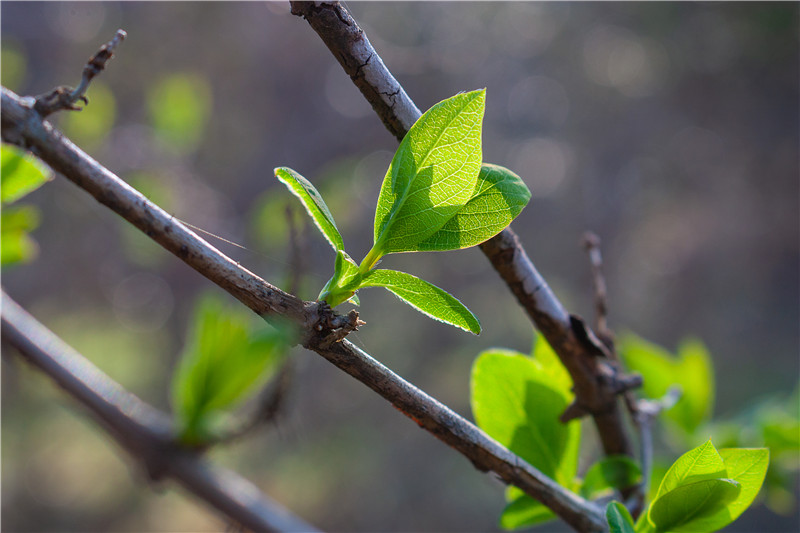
column 224, row 361
column 703, row 462
column 20, row 173
column 314, row 204
column 345, row 281
column 688, row 507
column 518, row 404
column 619, row 519
column 748, row 467
column 432, row 175
column 499, row 196
column 424, row 297
column 611, row 472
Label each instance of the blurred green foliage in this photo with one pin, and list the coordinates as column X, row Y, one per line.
column 691, row 370
column 12, row 66
column 89, row 128
column 20, row 174
column 228, row 355
column 179, row 107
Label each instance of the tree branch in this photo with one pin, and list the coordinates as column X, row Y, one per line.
column 597, row 383
column 65, row 97
column 139, row 428
column 21, row 125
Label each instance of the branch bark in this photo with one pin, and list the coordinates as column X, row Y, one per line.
column 21, row 125
column 139, row 428
column 597, row 383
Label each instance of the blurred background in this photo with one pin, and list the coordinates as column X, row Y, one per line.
column 669, row 129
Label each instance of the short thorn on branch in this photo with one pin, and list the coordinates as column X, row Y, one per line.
column 64, row 97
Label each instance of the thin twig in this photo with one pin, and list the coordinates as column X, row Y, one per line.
column 64, row 97
column 597, row 383
column 139, row 428
column 322, row 331
column 644, row 414
column 591, row 243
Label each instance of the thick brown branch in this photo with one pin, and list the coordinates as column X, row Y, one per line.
column 596, row 382
column 322, row 329
column 141, row 430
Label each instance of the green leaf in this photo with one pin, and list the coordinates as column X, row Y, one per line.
column 20, row 173
column 499, row 196
column 16, row 245
column 703, row 462
column 516, row 402
column 344, row 283
column 692, row 370
column 748, row 467
column 432, row 175
column 424, row 297
column 689, row 506
column 524, row 511
column 225, row 361
column 314, row 204
column 611, row 472
column 619, row 519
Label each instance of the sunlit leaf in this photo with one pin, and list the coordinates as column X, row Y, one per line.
column 424, row 297
column 693, row 506
column 499, row 196
column 432, row 175
column 314, row 204
column 703, row 462
column 518, row 404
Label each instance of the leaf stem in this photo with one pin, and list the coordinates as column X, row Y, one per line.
column 370, row 260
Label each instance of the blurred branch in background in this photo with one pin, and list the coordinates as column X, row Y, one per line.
column 597, row 383
column 140, row 429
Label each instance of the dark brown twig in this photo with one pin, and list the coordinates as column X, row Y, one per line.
column 597, row 382
column 64, row 97
column 141, row 430
column 591, row 243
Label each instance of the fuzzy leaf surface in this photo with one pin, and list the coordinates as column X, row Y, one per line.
column 424, row 297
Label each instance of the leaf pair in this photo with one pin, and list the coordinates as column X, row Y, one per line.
column 20, row 174
column 706, row 489
column 436, row 196
column 226, row 359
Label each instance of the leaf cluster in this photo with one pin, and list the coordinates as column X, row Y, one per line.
column 437, row 195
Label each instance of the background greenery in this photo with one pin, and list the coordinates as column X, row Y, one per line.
column 669, row 129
